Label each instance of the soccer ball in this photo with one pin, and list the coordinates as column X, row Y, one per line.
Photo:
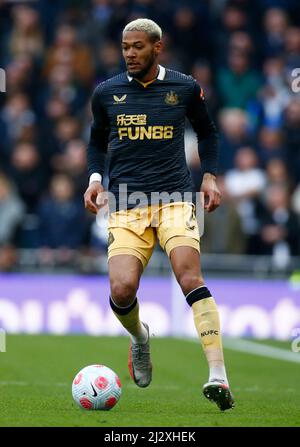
column 96, row 387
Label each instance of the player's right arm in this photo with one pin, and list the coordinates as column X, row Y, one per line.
column 96, row 152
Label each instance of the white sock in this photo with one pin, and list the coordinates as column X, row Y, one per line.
column 141, row 337
column 217, row 373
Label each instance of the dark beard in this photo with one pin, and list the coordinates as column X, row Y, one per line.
column 144, row 71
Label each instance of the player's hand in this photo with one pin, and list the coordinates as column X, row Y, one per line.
column 92, row 197
column 212, row 195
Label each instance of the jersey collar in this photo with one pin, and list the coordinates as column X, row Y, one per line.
column 161, row 74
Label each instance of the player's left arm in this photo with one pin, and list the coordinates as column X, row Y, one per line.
column 208, row 147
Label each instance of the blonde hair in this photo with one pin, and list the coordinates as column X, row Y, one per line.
column 147, row 26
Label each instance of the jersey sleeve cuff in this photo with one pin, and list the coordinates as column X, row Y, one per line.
column 95, row 177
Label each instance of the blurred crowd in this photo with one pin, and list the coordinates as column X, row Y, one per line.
column 242, row 52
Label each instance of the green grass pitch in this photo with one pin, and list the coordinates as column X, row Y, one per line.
column 36, row 374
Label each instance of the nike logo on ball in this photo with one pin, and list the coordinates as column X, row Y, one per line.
column 95, row 392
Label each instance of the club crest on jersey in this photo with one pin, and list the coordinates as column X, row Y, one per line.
column 120, row 100
column 171, row 98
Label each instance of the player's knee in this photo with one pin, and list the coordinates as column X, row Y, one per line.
column 123, row 292
column 189, row 281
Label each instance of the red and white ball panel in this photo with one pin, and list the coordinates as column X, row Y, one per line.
column 96, row 387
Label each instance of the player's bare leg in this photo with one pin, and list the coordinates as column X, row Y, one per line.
column 125, row 272
column 186, row 266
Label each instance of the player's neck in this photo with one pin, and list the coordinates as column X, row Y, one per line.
column 151, row 75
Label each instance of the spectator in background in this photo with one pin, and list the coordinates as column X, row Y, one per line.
column 168, row 58
column 11, row 211
column 246, row 180
column 108, row 61
column 277, row 174
column 292, row 48
column 119, row 18
column 55, row 109
column 295, row 202
column 26, row 35
column 201, row 71
column 18, row 119
column 98, row 23
column 188, row 29
column 233, row 19
column 21, row 73
column 27, row 171
column 62, row 84
column 237, row 83
column 244, row 184
column 67, row 51
column 192, row 157
column 280, row 229
column 11, row 215
column 231, row 239
column 67, row 128
column 292, row 137
column 62, row 217
column 73, row 163
column 275, row 93
column 241, row 41
column 234, row 127
column 291, row 6
column 275, row 25
column 270, row 145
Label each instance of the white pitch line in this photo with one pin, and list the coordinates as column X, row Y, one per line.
column 158, row 387
column 19, row 383
column 260, row 349
column 257, row 389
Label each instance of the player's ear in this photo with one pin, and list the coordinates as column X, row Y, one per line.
column 158, row 46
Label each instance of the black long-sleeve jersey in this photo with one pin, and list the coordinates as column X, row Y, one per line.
column 142, row 128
